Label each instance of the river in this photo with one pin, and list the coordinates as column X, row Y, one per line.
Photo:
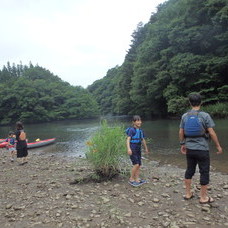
column 72, row 135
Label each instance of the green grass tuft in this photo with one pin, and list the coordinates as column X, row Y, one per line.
column 106, row 150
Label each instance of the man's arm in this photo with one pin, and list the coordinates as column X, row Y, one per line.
column 215, row 139
column 181, row 135
column 182, row 141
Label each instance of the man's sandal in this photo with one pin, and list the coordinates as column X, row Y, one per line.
column 188, row 198
column 210, row 200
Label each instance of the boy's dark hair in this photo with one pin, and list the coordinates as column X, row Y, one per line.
column 19, row 125
column 194, row 99
column 11, row 133
column 135, row 118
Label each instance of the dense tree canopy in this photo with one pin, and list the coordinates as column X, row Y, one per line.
column 34, row 94
column 182, row 49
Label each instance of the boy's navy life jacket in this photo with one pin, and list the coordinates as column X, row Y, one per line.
column 138, row 135
column 193, row 127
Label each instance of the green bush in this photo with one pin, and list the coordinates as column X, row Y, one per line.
column 177, row 105
column 106, row 150
column 218, row 110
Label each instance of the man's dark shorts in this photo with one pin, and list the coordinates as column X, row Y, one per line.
column 202, row 158
column 136, row 153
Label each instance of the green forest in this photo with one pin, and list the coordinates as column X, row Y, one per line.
column 182, row 49
column 33, row 94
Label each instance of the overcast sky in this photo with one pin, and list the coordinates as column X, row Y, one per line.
column 77, row 40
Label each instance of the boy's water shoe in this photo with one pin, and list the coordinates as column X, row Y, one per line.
column 134, row 183
column 143, row 181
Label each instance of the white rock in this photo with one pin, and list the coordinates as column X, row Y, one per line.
column 156, row 200
column 105, row 199
column 225, row 186
column 128, row 214
column 140, row 203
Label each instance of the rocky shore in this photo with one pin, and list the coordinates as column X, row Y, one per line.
column 41, row 194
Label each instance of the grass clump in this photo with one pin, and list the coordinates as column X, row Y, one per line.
column 218, row 110
column 106, row 150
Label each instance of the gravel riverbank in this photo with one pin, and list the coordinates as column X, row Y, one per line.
column 41, row 194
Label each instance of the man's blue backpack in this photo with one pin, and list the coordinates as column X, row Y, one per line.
column 193, row 127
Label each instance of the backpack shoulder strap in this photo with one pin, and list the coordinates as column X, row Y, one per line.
column 130, row 128
column 141, row 133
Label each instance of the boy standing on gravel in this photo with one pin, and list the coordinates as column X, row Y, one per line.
column 135, row 137
column 195, row 129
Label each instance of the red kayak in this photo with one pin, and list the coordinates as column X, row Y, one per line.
column 3, row 144
column 40, row 143
column 34, row 144
column 2, row 140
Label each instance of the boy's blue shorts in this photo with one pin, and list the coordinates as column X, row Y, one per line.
column 136, row 154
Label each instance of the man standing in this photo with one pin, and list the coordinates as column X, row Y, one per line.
column 195, row 129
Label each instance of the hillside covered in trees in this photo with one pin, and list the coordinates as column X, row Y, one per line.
column 182, row 49
column 34, row 94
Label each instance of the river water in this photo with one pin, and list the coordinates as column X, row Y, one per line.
column 72, row 135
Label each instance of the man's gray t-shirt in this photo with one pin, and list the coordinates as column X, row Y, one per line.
column 198, row 143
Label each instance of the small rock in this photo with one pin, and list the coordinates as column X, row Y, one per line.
column 165, row 195
column 8, row 206
column 165, row 224
column 207, row 209
column 128, row 214
column 68, row 197
column 156, row 200
column 225, row 186
column 105, row 199
column 12, row 220
column 189, row 223
column 140, row 203
column 17, row 208
column 206, row 218
column 116, row 186
column 155, row 178
column 173, row 225
column 226, row 209
column 191, row 215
